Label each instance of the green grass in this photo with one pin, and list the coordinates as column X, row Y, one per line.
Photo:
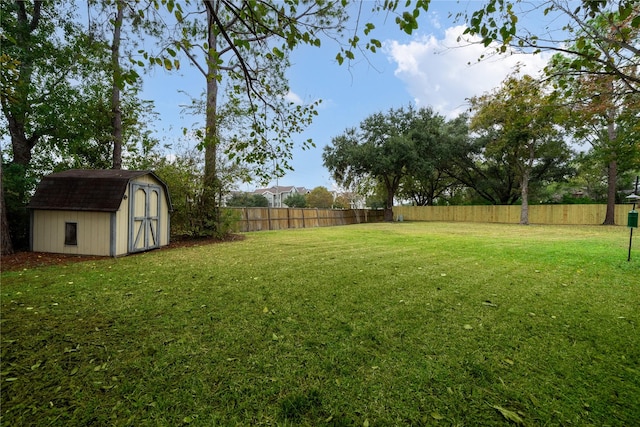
column 379, row 325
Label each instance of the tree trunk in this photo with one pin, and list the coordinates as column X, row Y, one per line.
column 20, row 145
column 7, row 245
column 22, row 153
column 210, row 182
column 612, row 173
column 388, row 211
column 390, row 186
column 524, row 209
column 526, row 170
column 116, row 112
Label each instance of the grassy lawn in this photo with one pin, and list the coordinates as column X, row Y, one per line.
column 378, row 325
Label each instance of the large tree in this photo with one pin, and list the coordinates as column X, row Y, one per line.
column 604, row 106
column 486, row 170
column 122, row 26
column 35, row 90
column 434, row 177
column 387, row 147
column 609, row 124
column 520, row 118
column 296, row 200
column 319, row 197
column 45, row 52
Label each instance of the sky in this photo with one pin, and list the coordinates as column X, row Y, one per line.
column 429, row 68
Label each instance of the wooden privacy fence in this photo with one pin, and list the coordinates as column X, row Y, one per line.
column 257, row 219
column 538, row 214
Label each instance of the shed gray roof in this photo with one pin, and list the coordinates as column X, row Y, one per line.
column 86, row 190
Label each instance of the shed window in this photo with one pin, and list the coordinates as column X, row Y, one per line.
column 71, row 233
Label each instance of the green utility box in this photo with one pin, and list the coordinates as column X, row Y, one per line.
column 632, row 220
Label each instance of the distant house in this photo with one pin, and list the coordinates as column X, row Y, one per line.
column 278, row 194
column 99, row 212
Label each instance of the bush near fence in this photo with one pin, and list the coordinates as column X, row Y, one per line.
column 538, row 214
column 257, row 219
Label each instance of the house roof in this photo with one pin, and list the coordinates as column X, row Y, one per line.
column 86, row 190
column 280, row 189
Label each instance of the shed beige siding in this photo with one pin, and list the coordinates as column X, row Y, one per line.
column 93, row 232
column 121, row 232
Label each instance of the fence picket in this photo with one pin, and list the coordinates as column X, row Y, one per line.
column 257, row 219
column 510, row 214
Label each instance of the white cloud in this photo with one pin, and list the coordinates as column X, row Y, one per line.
column 293, row 97
column 444, row 73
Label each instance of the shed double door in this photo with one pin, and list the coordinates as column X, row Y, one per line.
column 144, row 222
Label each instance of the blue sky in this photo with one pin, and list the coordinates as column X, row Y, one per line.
column 428, row 68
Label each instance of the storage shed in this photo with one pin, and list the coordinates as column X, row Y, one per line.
column 100, row 212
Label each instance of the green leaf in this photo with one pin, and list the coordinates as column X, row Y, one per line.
column 279, row 53
column 368, row 28
column 509, row 415
column 625, row 11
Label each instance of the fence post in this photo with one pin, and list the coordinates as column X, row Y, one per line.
column 245, row 215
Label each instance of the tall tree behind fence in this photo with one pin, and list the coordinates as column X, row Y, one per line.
column 257, row 219
column 538, row 214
